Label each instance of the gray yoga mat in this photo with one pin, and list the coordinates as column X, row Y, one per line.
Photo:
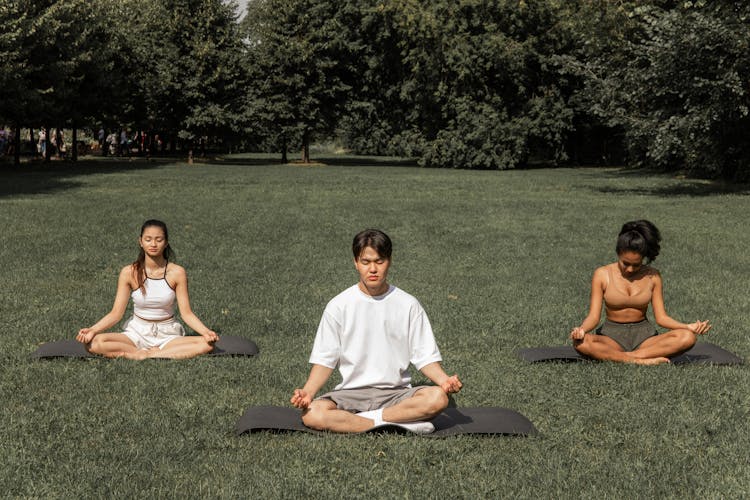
column 701, row 353
column 451, row 422
column 227, row 345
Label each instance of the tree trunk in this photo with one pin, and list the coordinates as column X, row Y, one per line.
column 74, row 153
column 17, row 145
column 190, row 152
column 47, row 149
column 284, row 158
column 306, row 147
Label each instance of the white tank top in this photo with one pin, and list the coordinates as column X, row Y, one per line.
column 158, row 301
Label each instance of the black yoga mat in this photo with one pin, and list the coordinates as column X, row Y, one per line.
column 227, row 345
column 450, row 422
column 701, row 352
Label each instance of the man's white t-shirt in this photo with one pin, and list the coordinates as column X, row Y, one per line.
column 372, row 340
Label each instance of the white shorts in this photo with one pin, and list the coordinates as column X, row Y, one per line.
column 147, row 334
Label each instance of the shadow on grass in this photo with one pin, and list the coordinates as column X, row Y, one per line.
column 315, row 161
column 684, row 187
column 46, row 178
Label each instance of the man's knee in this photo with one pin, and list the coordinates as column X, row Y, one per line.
column 311, row 419
column 315, row 417
column 435, row 400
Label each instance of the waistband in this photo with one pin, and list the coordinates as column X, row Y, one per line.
column 154, row 320
column 637, row 323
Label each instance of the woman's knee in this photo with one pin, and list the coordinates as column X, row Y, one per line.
column 685, row 337
column 583, row 346
column 96, row 346
column 204, row 347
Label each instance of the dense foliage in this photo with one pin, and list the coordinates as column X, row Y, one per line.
column 487, row 84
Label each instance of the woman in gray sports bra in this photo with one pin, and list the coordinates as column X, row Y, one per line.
column 626, row 288
column 154, row 284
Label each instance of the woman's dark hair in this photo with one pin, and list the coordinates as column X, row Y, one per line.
column 639, row 236
column 139, row 266
column 372, row 238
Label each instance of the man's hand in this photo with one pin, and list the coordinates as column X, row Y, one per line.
column 451, row 385
column 301, row 399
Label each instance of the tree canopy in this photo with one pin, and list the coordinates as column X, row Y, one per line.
column 487, row 84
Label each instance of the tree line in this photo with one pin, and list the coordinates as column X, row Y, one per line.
column 483, row 84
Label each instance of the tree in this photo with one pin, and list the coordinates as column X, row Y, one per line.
column 298, row 58
column 674, row 77
column 463, row 84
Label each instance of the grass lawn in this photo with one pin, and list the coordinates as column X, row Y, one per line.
column 500, row 261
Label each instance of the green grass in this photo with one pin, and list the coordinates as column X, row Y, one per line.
column 500, row 260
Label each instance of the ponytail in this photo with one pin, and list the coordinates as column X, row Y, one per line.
column 639, row 236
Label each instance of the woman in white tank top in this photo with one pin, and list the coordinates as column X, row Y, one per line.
column 154, row 284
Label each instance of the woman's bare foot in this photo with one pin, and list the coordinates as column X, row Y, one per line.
column 649, row 361
column 138, row 355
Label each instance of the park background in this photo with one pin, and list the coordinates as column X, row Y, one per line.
column 555, row 121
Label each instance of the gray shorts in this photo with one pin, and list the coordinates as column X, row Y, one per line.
column 628, row 335
column 369, row 398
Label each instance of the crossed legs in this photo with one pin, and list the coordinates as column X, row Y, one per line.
column 118, row 345
column 652, row 351
column 425, row 404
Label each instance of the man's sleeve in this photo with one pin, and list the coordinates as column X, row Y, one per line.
column 424, row 349
column 327, row 346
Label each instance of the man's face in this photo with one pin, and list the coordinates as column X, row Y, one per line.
column 373, row 271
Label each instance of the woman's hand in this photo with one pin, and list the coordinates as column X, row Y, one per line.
column 210, row 336
column 85, row 335
column 577, row 333
column 699, row 327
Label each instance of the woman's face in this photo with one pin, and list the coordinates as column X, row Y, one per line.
column 153, row 241
column 629, row 262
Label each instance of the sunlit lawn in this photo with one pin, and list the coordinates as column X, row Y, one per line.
column 500, row 260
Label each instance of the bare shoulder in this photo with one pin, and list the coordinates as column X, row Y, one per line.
column 602, row 269
column 176, row 272
column 600, row 273
column 652, row 273
column 127, row 275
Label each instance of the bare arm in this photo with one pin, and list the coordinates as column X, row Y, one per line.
column 178, row 274
column 598, row 282
column 319, row 375
column 666, row 321
column 434, row 371
column 122, row 297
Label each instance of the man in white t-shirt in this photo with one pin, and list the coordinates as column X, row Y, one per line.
column 372, row 332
